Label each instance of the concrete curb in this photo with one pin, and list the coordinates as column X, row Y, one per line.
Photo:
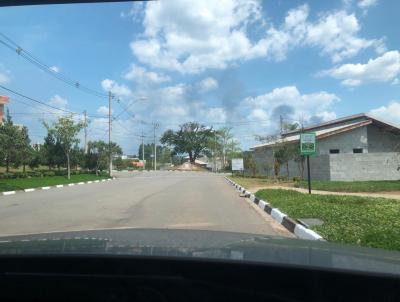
column 53, row 187
column 299, row 230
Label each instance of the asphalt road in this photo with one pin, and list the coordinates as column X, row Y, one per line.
column 161, row 200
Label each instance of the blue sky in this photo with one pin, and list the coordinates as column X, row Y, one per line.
column 224, row 63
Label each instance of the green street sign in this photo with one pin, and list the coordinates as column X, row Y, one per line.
column 308, row 143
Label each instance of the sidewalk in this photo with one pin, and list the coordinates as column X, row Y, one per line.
column 389, row 194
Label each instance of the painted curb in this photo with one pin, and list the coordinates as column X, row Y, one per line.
column 299, row 230
column 9, row 193
column 53, row 187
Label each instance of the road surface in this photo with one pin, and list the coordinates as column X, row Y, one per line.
column 163, row 200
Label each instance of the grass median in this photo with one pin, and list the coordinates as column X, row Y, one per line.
column 352, row 186
column 364, row 221
column 254, row 182
column 35, row 182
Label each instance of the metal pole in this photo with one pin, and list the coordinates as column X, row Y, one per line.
column 143, row 149
column 215, row 152
column 155, row 148
column 85, row 121
column 109, row 133
column 308, row 174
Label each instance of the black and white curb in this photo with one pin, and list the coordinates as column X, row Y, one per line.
column 299, row 230
column 55, row 187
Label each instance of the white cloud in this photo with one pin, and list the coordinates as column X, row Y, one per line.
column 366, row 3
column 391, row 112
column 191, row 37
column 336, row 34
column 4, row 78
column 115, row 88
column 55, row 69
column 135, row 12
column 103, row 110
column 381, row 69
column 58, row 101
column 141, row 75
column 291, row 104
column 4, row 75
column 207, row 84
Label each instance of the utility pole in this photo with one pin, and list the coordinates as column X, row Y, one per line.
column 155, row 125
column 85, row 121
column 142, row 136
column 109, row 132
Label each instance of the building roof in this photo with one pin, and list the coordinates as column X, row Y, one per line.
column 334, row 127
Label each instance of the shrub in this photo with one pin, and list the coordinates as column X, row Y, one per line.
column 60, row 172
column 49, row 173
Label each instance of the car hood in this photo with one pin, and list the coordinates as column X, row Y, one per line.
column 206, row 244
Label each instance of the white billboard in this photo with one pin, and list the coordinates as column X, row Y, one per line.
column 237, row 164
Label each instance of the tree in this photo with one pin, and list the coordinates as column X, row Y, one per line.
column 25, row 151
column 192, row 139
column 225, row 145
column 249, row 162
column 65, row 131
column 283, row 155
column 98, row 154
column 14, row 143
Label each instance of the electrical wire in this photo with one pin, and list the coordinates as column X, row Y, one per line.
column 9, row 43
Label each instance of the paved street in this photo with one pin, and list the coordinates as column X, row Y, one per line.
column 173, row 200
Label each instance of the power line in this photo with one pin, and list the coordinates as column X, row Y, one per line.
column 9, row 43
column 41, row 102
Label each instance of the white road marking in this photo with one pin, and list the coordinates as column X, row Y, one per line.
column 45, row 188
column 59, row 186
column 9, row 193
column 29, row 190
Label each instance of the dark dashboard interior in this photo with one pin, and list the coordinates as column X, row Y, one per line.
column 127, row 278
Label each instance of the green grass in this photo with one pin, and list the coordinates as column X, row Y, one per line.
column 250, row 182
column 34, row 182
column 365, row 221
column 352, row 186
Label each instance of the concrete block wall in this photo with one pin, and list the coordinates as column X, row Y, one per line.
column 345, row 142
column 367, row 166
column 320, row 167
column 380, row 140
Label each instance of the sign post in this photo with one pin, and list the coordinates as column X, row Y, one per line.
column 237, row 164
column 308, row 147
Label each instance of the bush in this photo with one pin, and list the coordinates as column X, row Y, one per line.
column 60, row 172
column 20, row 175
column 296, row 179
column 49, row 173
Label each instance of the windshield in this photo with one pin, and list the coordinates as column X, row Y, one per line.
column 269, row 125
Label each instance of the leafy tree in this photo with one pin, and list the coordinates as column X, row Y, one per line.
column 249, row 162
column 225, row 146
column 65, row 131
column 192, row 139
column 98, row 155
column 52, row 153
column 35, row 159
column 77, row 157
column 25, row 151
column 283, row 154
column 14, row 143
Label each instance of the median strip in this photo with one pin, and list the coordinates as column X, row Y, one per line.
column 299, row 230
column 55, row 186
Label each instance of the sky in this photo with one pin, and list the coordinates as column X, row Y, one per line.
column 229, row 63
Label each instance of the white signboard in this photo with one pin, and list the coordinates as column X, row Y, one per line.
column 237, row 164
